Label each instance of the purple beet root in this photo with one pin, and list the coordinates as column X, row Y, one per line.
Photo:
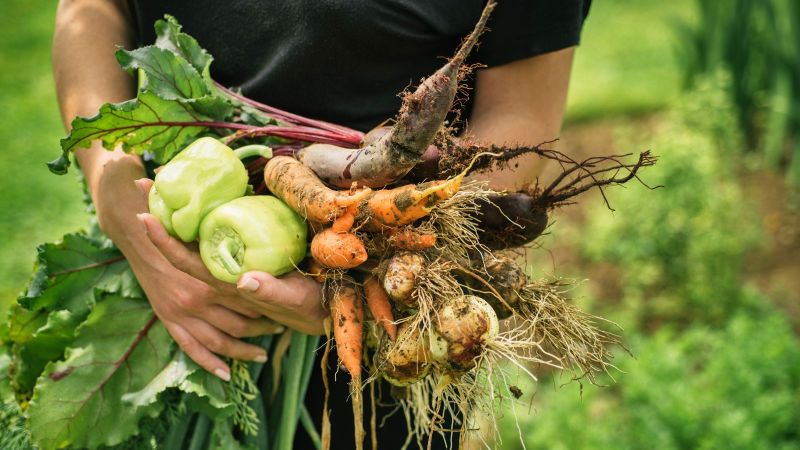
column 511, row 220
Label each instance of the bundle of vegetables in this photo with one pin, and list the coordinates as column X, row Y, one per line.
column 411, row 253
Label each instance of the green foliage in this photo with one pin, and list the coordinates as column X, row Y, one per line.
column 245, row 391
column 680, row 249
column 705, row 388
column 69, row 272
column 759, row 43
column 90, row 343
column 153, row 430
column 206, row 392
column 175, row 91
column 59, row 298
column 14, row 436
column 144, row 123
column 6, row 391
column 119, row 348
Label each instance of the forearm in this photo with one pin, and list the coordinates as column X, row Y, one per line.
column 521, row 103
column 86, row 35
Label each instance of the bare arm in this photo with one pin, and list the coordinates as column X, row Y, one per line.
column 87, row 33
column 204, row 316
column 521, row 103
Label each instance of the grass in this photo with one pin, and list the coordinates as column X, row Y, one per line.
column 36, row 205
column 626, row 63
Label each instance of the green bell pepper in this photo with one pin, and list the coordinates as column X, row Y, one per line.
column 204, row 175
column 257, row 232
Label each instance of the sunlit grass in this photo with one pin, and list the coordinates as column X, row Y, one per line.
column 626, row 63
column 36, row 205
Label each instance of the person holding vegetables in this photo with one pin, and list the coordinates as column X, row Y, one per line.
column 334, row 60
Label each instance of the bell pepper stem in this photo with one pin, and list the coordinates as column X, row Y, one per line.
column 253, row 150
column 226, row 257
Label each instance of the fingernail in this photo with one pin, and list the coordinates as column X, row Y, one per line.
column 262, row 358
column 223, row 374
column 280, row 330
column 248, row 284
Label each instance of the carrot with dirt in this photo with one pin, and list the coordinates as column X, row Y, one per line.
column 411, row 239
column 393, row 154
column 405, row 204
column 316, row 271
column 379, row 306
column 347, row 314
column 338, row 250
column 336, row 247
column 299, row 187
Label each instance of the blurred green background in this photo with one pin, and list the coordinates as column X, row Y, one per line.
column 702, row 274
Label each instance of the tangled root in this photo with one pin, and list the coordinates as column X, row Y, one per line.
column 568, row 333
column 455, row 222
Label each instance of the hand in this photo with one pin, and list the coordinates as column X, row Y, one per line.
column 293, row 300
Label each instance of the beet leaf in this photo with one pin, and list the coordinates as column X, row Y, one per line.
column 78, row 401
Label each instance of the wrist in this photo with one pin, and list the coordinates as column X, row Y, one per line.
column 117, row 202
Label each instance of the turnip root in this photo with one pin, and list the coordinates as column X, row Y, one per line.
column 408, row 359
column 507, row 280
column 401, row 277
column 392, row 155
column 462, row 329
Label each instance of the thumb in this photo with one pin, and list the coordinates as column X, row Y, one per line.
column 261, row 286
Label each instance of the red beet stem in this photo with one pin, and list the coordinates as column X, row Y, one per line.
column 343, row 134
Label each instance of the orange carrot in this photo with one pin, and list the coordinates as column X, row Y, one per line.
column 403, row 205
column 411, row 239
column 316, row 271
column 347, row 313
column 299, row 187
column 338, row 250
column 379, row 306
column 343, row 223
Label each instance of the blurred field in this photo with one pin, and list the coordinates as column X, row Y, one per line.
column 626, row 64
column 36, row 205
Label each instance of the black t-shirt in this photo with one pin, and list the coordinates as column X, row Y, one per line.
column 346, row 61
